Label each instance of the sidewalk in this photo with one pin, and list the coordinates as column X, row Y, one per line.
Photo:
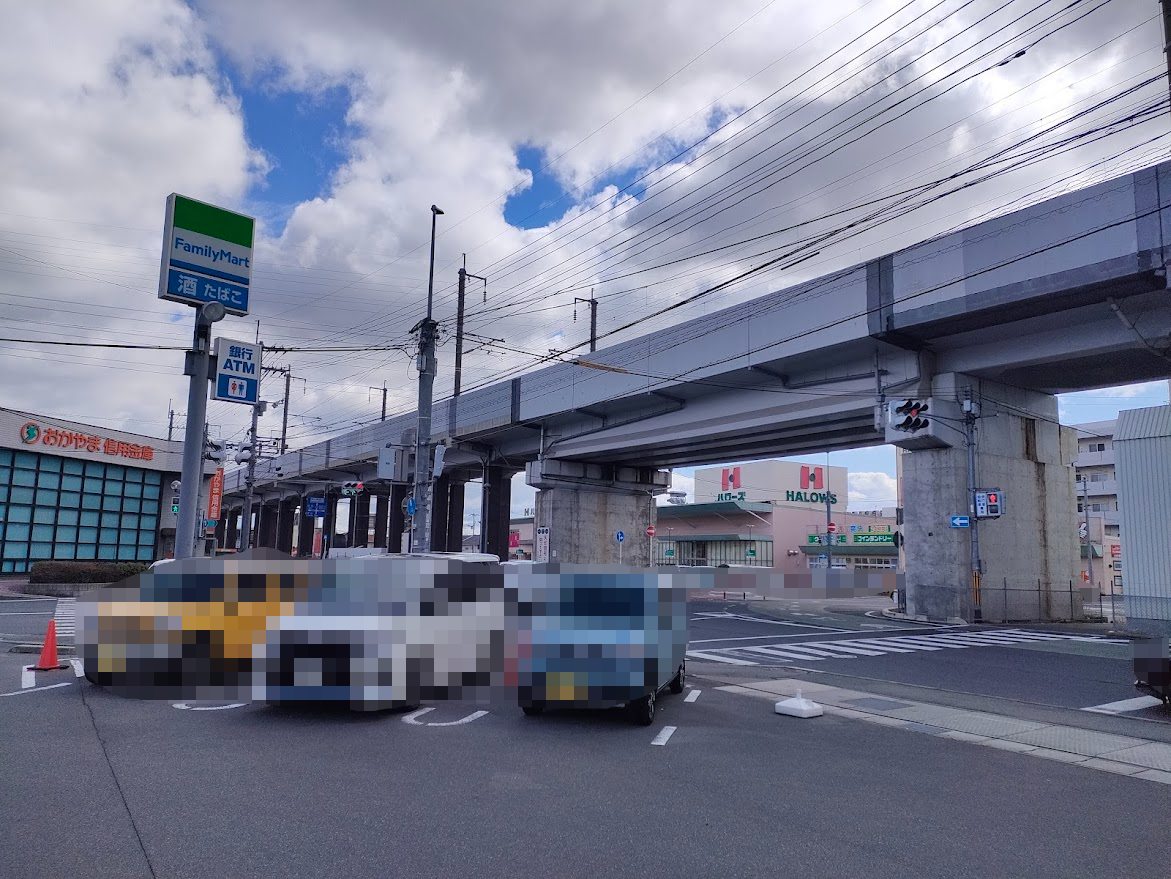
column 1105, row 752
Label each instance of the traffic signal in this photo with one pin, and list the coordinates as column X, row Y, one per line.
column 351, row 489
column 174, row 505
column 909, row 416
column 215, row 451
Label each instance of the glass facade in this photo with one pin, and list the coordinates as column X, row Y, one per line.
column 63, row 508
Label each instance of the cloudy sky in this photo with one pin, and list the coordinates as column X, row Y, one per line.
column 607, row 146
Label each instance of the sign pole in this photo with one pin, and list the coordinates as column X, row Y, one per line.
column 197, row 369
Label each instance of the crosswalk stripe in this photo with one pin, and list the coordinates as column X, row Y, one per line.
column 914, row 645
column 814, row 651
column 712, row 657
column 931, row 642
column 882, row 645
column 66, row 616
column 848, row 647
column 778, row 653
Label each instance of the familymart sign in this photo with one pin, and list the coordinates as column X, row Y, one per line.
column 207, row 255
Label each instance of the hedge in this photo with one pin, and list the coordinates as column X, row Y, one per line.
column 84, row 572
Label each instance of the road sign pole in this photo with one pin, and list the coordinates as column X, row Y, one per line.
column 970, row 437
column 193, row 447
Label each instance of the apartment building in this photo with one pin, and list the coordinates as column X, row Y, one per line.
column 1097, row 492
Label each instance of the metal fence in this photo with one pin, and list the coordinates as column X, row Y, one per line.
column 1034, row 601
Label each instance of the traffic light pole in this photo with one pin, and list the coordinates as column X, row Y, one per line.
column 974, row 522
column 829, row 535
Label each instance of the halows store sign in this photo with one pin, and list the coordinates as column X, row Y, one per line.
column 811, row 491
column 33, row 433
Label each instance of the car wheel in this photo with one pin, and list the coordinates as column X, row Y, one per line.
column 678, row 682
column 533, row 710
column 643, row 711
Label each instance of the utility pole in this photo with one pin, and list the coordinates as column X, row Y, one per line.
column 288, row 374
column 974, row 521
column 830, row 536
column 421, row 521
column 244, row 536
column 1166, row 5
column 170, row 420
column 285, row 412
column 384, row 401
column 1086, row 524
column 459, row 321
column 593, row 304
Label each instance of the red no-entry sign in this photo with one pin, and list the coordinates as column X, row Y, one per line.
column 650, row 531
column 831, row 527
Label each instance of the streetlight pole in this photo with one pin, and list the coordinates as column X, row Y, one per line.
column 421, row 521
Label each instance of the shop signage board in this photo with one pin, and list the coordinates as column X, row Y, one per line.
column 237, row 376
column 207, row 255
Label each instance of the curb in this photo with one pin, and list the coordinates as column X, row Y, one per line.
column 921, row 618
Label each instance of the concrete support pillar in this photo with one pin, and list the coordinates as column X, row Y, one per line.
column 232, row 535
column 495, row 511
column 440, row 503
column 585, row 505
column 1030, row 555
column 286, row 517
column 397, row 518
column 380, row 521
column 455, row 515
column 221, row 529
column 360, row 536
column 267, row 535
column 305, row 531
column 330, row 524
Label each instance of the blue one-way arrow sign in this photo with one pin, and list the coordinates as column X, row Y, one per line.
column 960, row 522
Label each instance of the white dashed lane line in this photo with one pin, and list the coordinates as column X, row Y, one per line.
column 693, row 695
column 664, row 735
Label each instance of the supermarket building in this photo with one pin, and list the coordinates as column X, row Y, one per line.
column 73, row 491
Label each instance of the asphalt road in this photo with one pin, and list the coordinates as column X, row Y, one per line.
column 1034, row 667
column 96, row 785
column 25, row 618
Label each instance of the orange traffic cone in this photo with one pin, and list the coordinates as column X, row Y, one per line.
column 48, row 660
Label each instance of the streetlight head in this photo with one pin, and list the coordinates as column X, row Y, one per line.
column 213, row 312
column 435, row 210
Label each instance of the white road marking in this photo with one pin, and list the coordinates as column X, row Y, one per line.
column 848, row 648
column 1136, row 704
column 711, row 657
column 410, row 718
column 773, row 636
column 664, row 734
column 879, row 645
column 693, row 695
column 28, row 677
column 184, row 706
column 748, row 619
column 38, row 689
column 25, row 613
column 66, row 616
column 475, row 715
column 78, row 669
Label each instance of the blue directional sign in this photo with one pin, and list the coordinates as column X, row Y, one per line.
column 237, row 377
column 960, row 522
column 619, row 536
column 315, row 507
column 411, row 506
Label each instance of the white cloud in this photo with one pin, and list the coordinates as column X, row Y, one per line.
column 123, row 102
column 872, row 491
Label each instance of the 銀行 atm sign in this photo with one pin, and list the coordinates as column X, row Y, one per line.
column 237, row 378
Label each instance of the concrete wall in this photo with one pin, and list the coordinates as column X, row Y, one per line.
column 1030, row 555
